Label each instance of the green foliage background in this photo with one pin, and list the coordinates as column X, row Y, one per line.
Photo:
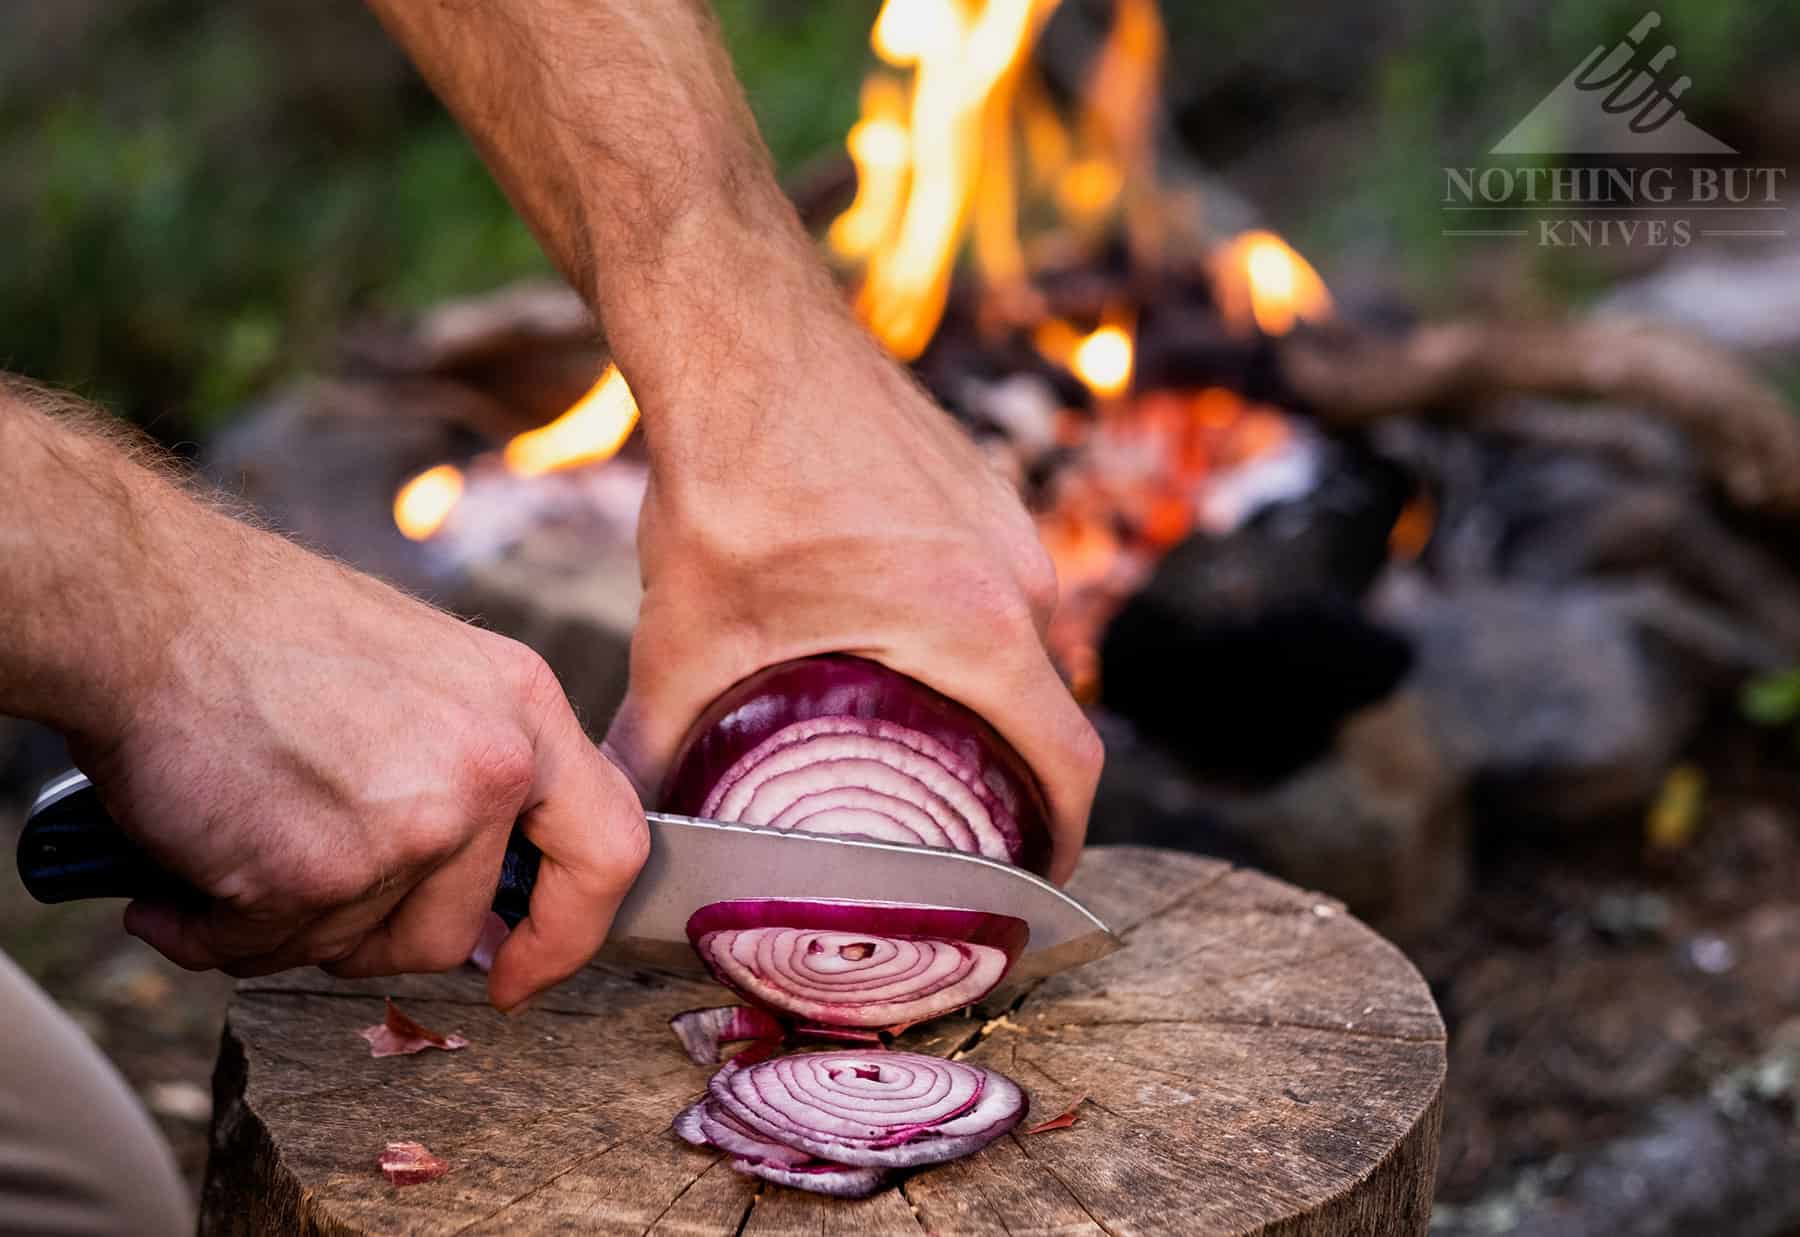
column 194, row 197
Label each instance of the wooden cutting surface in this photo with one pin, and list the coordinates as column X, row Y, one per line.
column 1254, row 1061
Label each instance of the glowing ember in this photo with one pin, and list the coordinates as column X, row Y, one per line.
column 1103, row 360
column 1413, row 527
column 1145, row 472
column 591, row 431
column 425, row 502
column 1261, row 280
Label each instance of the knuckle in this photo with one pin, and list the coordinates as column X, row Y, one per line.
column 1088, row 751
column 494, row 770
column 632, row 850
column 322, row 886
column 531, row 676
column 1037, row 577
column 997, row 605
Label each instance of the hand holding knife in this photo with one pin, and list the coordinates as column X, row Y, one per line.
column 72, row 849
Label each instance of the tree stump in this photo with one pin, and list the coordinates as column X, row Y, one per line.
column 1253, row 1061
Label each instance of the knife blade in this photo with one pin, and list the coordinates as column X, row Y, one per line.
column 72, row 849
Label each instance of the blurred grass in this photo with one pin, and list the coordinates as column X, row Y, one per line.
column 197, row 197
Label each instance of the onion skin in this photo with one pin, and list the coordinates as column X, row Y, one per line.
column 703, row 1032
column 775, row 953
column 840, row 686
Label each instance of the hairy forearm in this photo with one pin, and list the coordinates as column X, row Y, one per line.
column 620, row 133
column 93, row 542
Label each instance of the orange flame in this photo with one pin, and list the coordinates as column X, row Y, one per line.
column 940, row 157
column 962, row 61
column 591, row 431
column 881, row 149
column 1117, row 108
column 1262, row 281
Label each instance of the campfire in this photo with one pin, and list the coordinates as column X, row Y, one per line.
column 1005, row 239
column 1335, row 587
column 1346, row 589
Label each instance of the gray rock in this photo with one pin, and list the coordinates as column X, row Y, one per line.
column 1379, row 821
column 1749, row 301
column 1562, row 705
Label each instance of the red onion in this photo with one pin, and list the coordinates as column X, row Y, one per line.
column 844, row 746
column 835, row 1122
column 855, row 964
column 703, row 1032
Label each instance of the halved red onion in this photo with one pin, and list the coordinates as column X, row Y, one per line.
column 885, row 1110
column 703, row 1032
column 845, row 746
column 855, row 964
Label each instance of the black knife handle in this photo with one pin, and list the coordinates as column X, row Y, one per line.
column 72, row 849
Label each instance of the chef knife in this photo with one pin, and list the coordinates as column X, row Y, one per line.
column 71, row 849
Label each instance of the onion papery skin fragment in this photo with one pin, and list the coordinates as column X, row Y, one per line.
column 845, row 746
column 860, row 965
column 704, row 1032
column 838, row 1122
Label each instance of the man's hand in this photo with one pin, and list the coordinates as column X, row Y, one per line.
column 832, row 507
column 805, row 497
column 335, row 764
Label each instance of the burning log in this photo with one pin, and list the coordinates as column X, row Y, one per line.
column 1748, row 436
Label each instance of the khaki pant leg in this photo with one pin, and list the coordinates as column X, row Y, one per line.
column 78, row 1153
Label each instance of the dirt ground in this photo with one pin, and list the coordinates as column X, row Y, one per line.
column 1589, row 978
column 1585, row 981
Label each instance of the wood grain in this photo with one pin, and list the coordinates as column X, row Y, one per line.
column 1256, row 1061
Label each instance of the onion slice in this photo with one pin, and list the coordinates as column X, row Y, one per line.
column 870, row 1109
column 845, row 746
column 838, row 1122
column 859, row 965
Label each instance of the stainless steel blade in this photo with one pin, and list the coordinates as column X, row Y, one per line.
column 695, row 862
